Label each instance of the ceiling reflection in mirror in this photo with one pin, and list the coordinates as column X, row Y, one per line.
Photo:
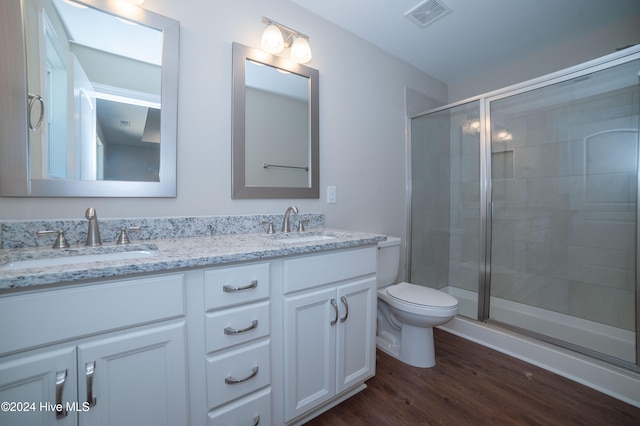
column 100, row 78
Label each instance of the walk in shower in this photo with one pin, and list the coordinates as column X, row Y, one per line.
column 524, row 207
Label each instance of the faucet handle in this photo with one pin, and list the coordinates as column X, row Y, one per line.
column 270, row 229
column 301, row 224
column 61, row 241
column 123, row 238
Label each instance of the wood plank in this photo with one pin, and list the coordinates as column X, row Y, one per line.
column 475, row 385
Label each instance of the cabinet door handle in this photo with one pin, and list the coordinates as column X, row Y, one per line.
column 89, row 370
column 232, row 381
column 232, row 288
column 335, row 308
column 61, row 379
column 346, row 307
column 253, row 326
column 256, row 420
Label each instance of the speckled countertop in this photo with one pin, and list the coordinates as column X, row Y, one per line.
column 170, row 254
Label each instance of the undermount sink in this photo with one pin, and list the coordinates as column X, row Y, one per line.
column 76, row 258
column 304, row 239
column 308, row 236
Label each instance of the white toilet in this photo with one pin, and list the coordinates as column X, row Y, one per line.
column 408, row 312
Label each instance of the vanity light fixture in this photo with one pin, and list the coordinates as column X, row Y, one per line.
column 276, row 37
column 272, row 40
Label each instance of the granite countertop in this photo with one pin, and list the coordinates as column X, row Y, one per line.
column 171, row 254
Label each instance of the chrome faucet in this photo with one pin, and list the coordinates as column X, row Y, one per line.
column 93, row 235
column 285, row 223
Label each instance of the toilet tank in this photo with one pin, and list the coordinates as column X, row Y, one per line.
column 388, row 261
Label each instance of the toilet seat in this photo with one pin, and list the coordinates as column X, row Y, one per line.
column 421, row 296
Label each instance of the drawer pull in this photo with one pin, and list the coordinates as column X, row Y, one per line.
column 231, row 331
column 61, row 378
column 90, row 369
column 232, row 288
column 346, row 309
column 231, row 381
column 335, row 308
column 256, row 420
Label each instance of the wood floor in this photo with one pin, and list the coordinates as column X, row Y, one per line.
column 475, row 385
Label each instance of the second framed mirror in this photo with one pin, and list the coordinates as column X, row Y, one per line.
column 275, row 127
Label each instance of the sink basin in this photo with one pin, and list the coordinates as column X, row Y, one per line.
column 76, row 259
column 309, row 236
column 304, row 239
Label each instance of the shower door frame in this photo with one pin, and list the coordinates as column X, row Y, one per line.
column 486, row 204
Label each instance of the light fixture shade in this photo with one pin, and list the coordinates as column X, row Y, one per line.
column 272, row 40
column 300, row 50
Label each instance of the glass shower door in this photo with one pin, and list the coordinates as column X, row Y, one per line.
column 445, row 203
column 564, row 184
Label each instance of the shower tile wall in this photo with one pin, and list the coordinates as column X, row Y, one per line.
column 564, row 226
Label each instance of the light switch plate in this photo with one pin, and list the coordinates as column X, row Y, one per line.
column 331, row 195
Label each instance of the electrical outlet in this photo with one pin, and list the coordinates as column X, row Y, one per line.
column 331, row 195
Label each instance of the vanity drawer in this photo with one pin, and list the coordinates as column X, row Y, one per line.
column 236, row 285
column 313, row 271
column 237, row 325
column 44, row 317
column 249, row 365
column 252, row 410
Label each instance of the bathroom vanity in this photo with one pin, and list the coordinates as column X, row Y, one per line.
column 223, row 329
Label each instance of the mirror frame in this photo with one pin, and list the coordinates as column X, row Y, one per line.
column 240, row 190
column 15, row 177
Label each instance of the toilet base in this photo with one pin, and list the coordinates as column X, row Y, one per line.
column 419, row 353
column 410, row 344
column 419, row 350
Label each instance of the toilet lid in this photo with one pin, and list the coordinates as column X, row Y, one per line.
column 421, row 295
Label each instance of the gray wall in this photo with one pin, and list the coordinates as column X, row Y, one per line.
column 362, row 122
column 565, row 55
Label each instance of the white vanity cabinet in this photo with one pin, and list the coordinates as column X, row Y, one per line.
column 329, row 328
column 108, row 354
column 274, row 341
column 238, row 344
column 34, row 382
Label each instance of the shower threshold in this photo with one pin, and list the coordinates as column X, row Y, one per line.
column 600, row 338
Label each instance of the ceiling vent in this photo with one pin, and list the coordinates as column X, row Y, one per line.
column 427, row 12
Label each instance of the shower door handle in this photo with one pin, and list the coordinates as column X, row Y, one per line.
column 490, row 209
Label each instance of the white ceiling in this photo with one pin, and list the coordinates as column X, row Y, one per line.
column 477, row 35
column 125, row 38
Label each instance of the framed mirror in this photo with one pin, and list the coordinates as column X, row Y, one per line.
column 93, row 104
column 275, row 140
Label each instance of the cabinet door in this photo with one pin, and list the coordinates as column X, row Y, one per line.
column 136, row 378
column 310, row 322
column 356, row 349
column 33, row 384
